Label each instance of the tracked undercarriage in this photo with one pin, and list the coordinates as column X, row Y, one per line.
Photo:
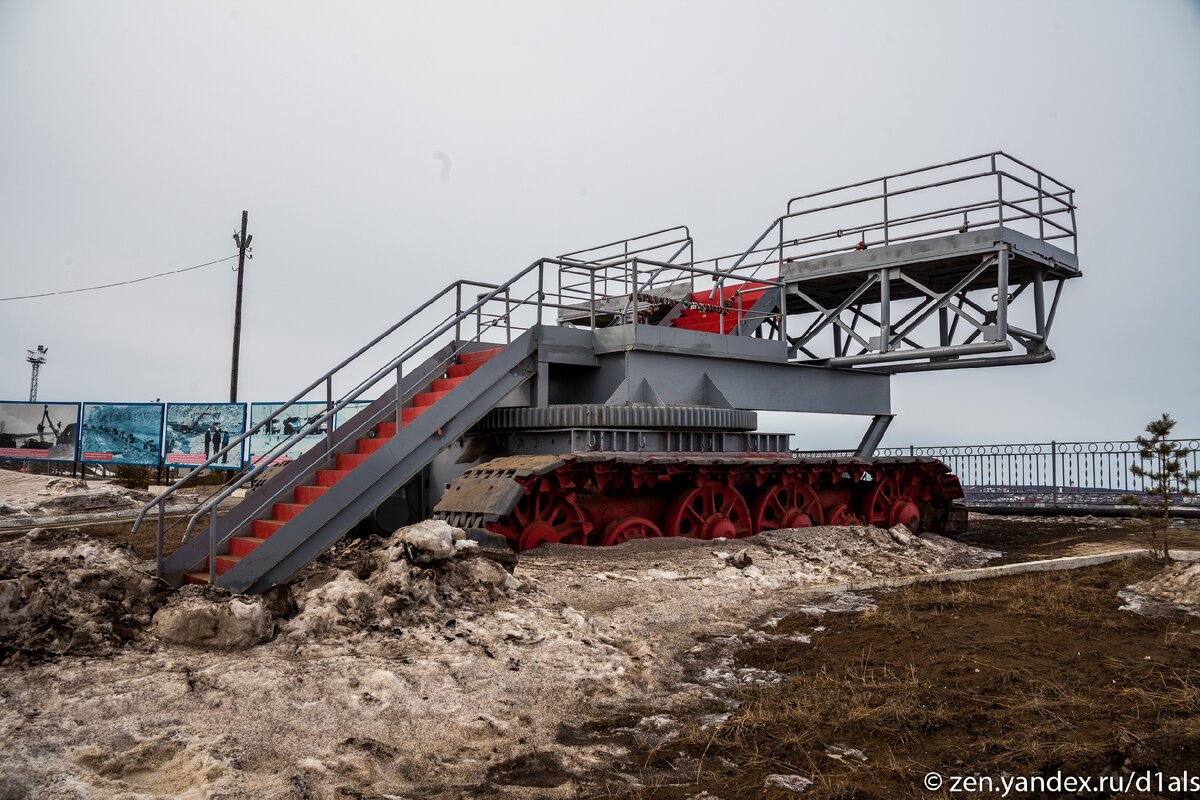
column 602, row 499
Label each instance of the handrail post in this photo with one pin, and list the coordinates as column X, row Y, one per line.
column 1041, row 213
column 886, row 239
column 507, row 318
column 1074, row 231
column 399, row 397
column 158, row 544
column 783, row 312
column 212, row 546
column 633, row 319
column 541, row 283
column 457, row 313
column 999, row 193
column 592, row 298
column 328, row 410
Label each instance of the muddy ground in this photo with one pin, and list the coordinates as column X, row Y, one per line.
column 415, row 668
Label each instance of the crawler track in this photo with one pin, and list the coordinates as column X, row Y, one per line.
column 604, row 499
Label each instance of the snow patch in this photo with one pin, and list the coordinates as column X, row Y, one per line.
column 1174, row 591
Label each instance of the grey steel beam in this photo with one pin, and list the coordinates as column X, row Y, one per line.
column 968, row 363
column 952, row 351
column 873, row 435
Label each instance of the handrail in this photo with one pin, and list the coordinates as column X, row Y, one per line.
column 451, row 322
column 297, row 398
column 1062, row 199
column 686, row 232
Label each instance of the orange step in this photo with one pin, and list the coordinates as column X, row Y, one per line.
column 348, row 461
column 309, row 494
column 463, row 370
column 197, row 578
column 428, row 398
column 446, row 384
column 226, row 563
column 265, row 528
column 286, row 511
column 478, row 356
column 407, row 415
column 385, row 430
column 243, row 545
column 328, row 477
column 368, row 446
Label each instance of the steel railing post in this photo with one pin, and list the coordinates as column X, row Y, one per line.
column 158, row 544
column 999, row 193
column 1074, row 232
column 212, row 546
column 592, row 298
column 457, row 313
column 1041, row 213
column 886, row 239
column 399, row 397
column 541, row 283
column 507, row 318
column 782, row 311
column 329, row 414
column 633, row 320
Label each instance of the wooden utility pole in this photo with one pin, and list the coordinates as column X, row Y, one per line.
column 243, row 243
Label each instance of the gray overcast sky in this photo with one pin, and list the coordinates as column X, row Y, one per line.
column 132, row 135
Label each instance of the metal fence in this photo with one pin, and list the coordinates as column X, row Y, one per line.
column 1048, row 472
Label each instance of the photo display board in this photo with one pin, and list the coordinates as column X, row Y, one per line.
column 121, row 433
column 290, row 422
column 38, row 431
column 194, row 431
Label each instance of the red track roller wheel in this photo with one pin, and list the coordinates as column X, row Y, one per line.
column 786, row 505
column 622, row 530
column 890, row 502
column 711, row 511
column 543, row 515
column 839, row 514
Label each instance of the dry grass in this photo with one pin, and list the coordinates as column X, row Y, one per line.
column 1016, row 675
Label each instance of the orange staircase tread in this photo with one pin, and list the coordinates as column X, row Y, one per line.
column 197, row 578
column 286, row 511
column 309, row 494
column 368, row 446
column 328, row 477
column 478, row 355
column 385, row 430
column 407, row 415
column 265, row 528
column 463, row 370
column 349, row 461
column 446, row 384
column 244, row 545
column 226, row 563
column 428, row 398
